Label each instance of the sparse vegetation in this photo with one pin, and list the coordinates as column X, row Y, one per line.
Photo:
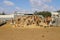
column 44, row 13
column 3, row 13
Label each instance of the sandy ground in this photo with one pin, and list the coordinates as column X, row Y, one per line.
column 10, row 33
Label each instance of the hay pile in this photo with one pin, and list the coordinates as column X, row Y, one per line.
column 25, row 21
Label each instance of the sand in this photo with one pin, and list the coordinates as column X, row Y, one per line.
column 7, row 32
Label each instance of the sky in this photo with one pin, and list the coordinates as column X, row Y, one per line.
column 28, row 6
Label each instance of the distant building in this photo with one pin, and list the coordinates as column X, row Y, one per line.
column 56, row 18
column 6, row 17
column 54, row 14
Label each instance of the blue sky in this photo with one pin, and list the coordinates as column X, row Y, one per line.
column 9, row 6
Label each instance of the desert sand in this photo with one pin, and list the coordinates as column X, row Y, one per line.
column 7, row 32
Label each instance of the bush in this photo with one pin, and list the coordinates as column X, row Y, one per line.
column 44, row 13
